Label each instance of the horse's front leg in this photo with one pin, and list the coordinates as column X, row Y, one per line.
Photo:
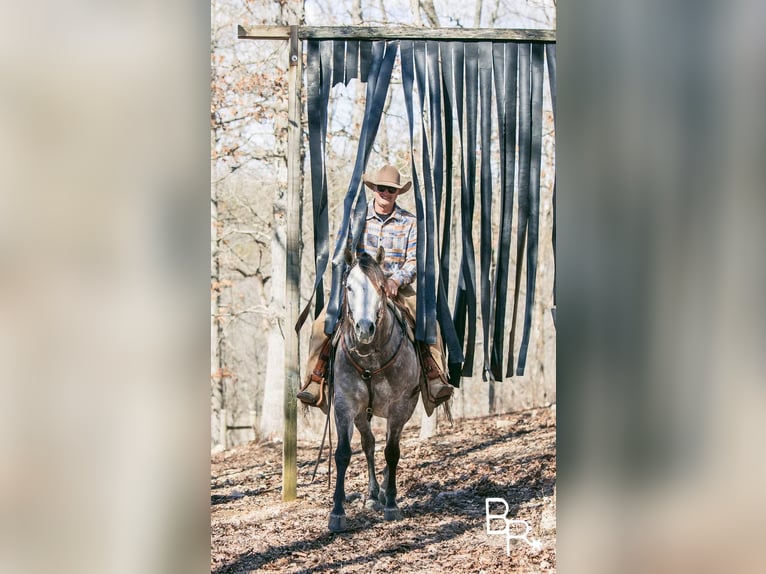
column 368, row 445
column 391, row 510
column 345, row 428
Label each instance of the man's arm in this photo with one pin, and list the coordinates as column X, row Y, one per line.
column 406, row 273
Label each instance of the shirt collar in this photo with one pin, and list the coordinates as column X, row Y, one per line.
column 396, row 213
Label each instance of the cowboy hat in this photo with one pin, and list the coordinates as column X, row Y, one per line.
column 387, row 176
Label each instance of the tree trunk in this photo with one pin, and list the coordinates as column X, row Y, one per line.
column 272, row 415
column 216, row 332
column 415, row 10
column 428, row 9
column 477, row 14
column 427, row 424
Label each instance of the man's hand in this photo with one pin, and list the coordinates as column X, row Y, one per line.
column 392, row 288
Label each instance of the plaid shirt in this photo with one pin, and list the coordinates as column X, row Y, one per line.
column 399, row 237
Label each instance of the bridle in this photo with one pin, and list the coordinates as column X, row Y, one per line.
column 352, row 354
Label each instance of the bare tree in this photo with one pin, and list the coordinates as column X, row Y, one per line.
column 415, row 10
column 428, row 10
column 477, row 14
column 357, row 16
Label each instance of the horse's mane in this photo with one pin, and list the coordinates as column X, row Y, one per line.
column 372, row 269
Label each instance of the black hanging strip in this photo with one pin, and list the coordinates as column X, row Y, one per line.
column 365, row 59
column 319, row 203
column 464, row 84
column 342, row 239
column 538, row 54
column 351, row 70
column 408, row 76
column 445, row 54
column 498, row 65
column 460, row 308
column 435, row 117
column 318, row 80
column 417, row 57
column 426, row 287
column 443, row 317
column 550, row 54
column 325, row 51
column 378, row 79
column 339, row 62
column 485, row 242
column 525, row 150
column 506, row 70
column 466, row 300
column 380, row 92
column 452, row 340
column 437, row 145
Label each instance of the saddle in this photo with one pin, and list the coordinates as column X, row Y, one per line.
column 429, row 368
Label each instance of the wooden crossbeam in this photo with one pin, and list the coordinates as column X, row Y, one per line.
column 395, row 33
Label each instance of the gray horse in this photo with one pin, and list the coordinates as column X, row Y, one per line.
column 376, row 372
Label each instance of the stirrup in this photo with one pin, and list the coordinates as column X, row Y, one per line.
column 309, row 398
column 444, row 390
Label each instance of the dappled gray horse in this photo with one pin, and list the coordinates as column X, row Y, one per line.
column 376, row 372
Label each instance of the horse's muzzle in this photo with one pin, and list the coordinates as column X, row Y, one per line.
column 365, row 330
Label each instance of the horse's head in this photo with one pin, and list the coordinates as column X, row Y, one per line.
column 365, row 295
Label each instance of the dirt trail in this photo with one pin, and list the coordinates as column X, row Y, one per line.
column 443, row 484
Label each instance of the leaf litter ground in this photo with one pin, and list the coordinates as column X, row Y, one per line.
column 442, row 486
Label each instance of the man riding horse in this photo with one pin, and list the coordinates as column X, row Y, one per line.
column 395, row 229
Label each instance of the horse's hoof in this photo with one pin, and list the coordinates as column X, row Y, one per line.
column 392, row 514
column 337, row 523
column 372, row 504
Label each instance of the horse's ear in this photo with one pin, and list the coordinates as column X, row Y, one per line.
column 380, row 255
column 348, row 257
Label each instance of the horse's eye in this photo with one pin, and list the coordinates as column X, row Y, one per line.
column 348, row 288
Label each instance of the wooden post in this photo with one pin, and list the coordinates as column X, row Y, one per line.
column 293, row 270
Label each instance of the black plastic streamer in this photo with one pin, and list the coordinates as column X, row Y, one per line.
column 351, row 68
column 465, row 304
column 460, row 308
column 467, row 70
column 426, row 286
column 505, row 64
column 316, row 149
column 408, row 78
column 339, row 62
column 453, row 342
column 550, row 54
column 378, row 79
column 435, row 117
column 525, row 150
column 538, row 54
column 445, row 50
column 485, row 242
column 365, row 59
column 318, row 80
column 435, row 99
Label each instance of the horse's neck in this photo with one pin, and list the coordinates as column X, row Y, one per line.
column 386, row 328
